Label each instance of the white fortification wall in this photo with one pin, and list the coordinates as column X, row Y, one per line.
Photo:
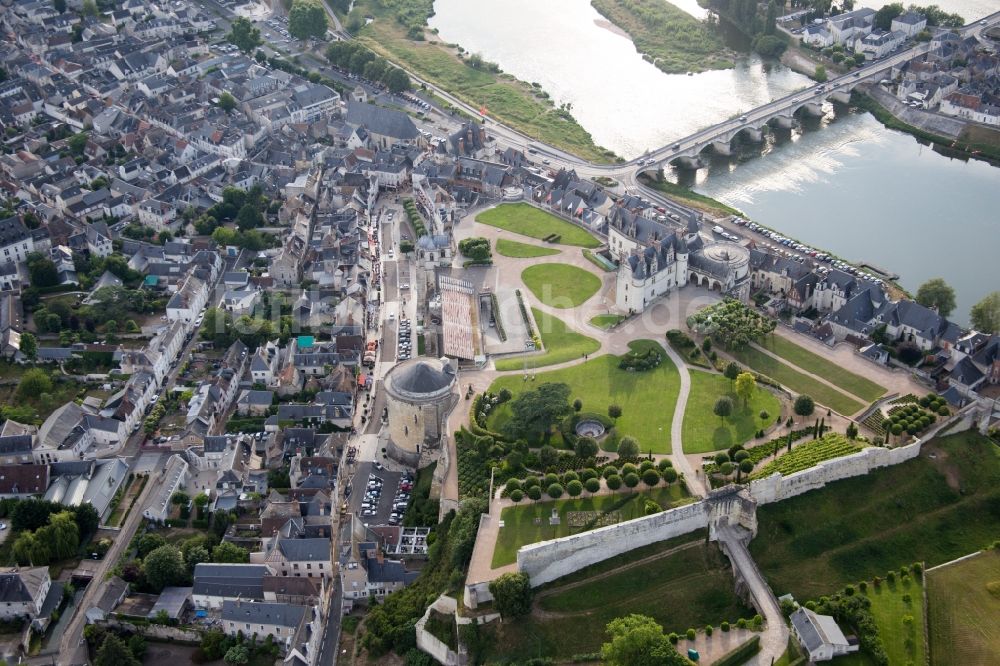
column 546, row 561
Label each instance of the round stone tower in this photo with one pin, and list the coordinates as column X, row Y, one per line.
column 419, row 395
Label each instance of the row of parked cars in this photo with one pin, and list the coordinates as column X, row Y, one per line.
column 405, row 343
column 402, row 498
column 780, row 242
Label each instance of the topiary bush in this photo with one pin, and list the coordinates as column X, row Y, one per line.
column 555, row 491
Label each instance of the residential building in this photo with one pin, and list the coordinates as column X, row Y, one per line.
column 820, row 636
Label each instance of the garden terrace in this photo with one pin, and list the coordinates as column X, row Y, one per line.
column 525, row 219
column 929, row 509
column 703, row 431
column 809, row 454
column 796, row 381
column 846, row 380
column 647, row 398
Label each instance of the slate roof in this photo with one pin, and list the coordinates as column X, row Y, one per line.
column 21, row 585
column 282, row 615
column 815, row 630
column 966, row 373
column 379, row 120
column 230, row 580
column 389, row 571
column 421, row 377
column 305, row 550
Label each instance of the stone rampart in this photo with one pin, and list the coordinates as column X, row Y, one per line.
column 549, row 560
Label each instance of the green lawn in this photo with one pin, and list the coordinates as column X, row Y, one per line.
column 904, row 642
column 525, row 219
column 704, row 431
column 828, row 370
column 606, row 321
column 690, row 588
column 926, row 509
column 647, row 398
column 560, row 285
column 796, row 381
column 509, row 248
column 520, row 528
column 963, row 606
column 561, row 344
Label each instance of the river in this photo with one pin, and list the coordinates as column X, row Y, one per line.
column 851, row 187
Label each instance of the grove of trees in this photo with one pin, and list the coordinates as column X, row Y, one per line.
column 358, row 60
column 307, row 19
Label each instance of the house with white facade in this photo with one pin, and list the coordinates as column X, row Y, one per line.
column 820, row 636
column 173, row 478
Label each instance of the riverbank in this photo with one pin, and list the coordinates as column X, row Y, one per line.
column 966, row 139
column 689, row 197
column 510, row 101
column 670, row 38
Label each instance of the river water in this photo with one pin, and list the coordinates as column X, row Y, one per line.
column 845, row 184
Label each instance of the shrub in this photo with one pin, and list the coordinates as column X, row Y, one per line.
column 724, row 626
column 570, row 476
column 529, row 482
column 535, row 493
column 592, row 485
column 512, row 485
column 550, row 479
column 629, row 468
column 651, row 477
column 863, row 586
column 741, row 623
column 631, row 480
column 614, row 482
column 691, row 633
column 673, row 638
column 555, row 491
column 664, row 464
column 517, row 496
column 708, row 630
column 574, row 488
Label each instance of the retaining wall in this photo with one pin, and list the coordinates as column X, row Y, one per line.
column 430, row 643
column 546, row 561
column 778, row 487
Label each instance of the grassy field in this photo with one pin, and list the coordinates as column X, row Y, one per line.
column 689, row 588
column 704, row 431
column 507, row 99
column 926, row 509
column 606, row 321
column 560, row 285
column 647, row 398
column 904, row 642
column 833, row 373
column 561, row 344
column 674, row 40
column 963, row 606
column 520, row 528
column 525, row 219
column 796, row 381
column 509, row 248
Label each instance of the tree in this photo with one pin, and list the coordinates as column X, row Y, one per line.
column 195, row 556
column 651, row 477
column 229, row 553
column 33, row 383
column 804, row 405
column 628, row 447
column 90, row 8
column 614, row 411
column 29, row 346
column 745, row 387
column 244, row 35
column 237, row 655
column 397, row 80
column 512, row 595
column 574, row 488
column 114, row 652
column 227, row 102
column 985, row 315
column 631, row 480
column 614, row 482
column 87, row 519
column 180, row 498
column 637, row 640
column 852, row 431
column 732, row 371
column 586, row 447
column 723, row 407
column 534, row 412
column 41, row 271
column 249, row 217
column 936, row 293
column 555, row 491
column 548, row 456
column 148, row 543
column 577, row 405
column 884, row 16
column 164, row 567
column 306, row 19
column 60, row 6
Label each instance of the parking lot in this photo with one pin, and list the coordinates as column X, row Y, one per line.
column 381, row 514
